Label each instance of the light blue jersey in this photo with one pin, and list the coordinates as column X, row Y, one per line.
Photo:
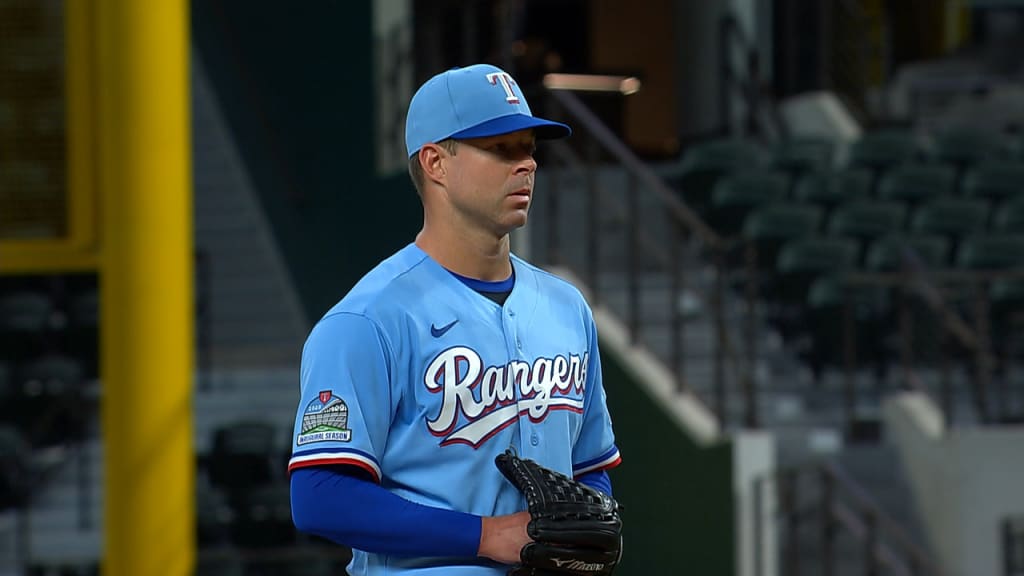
column 421, row 381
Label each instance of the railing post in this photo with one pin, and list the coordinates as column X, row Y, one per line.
column 871, row 567
column 204, row 320
column 758, row 535
column 633, row 252
column 828, row 527
column 983, row 353
column 752, row 91
column 592, row 199
column 676, row 334
column 83, row 486
column 720, row 342
column 23, row 547
column 906, row 329
column 791, row 512
column 849, row 357
column 750, row 260
column 945, row 378
column 552, row 217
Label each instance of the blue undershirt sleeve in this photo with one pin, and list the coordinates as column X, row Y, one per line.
column 598, row 479
column 360, row 514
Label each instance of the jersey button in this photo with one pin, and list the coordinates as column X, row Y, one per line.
column 512, row 313
column 519, row 344
column 534, row 439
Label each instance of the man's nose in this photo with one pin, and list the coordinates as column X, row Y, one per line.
column 527, row 165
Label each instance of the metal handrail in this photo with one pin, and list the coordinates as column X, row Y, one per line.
column 916, row 280
column 868, row 507
column 642, row 177
column 617, row 149
column 841, row 503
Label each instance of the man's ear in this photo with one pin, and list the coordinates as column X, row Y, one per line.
column 431, row 157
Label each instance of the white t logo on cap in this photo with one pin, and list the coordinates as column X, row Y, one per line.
column 506, row 83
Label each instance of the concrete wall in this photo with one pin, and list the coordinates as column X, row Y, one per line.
column 753, row 458
column 966, row 481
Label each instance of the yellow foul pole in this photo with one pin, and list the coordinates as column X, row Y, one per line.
column 143, row 150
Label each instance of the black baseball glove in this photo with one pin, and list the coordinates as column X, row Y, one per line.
column 576, row 529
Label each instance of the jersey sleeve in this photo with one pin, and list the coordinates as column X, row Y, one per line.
column 345, row 406
column 595, row 446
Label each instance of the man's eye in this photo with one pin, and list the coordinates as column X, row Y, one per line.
column 510, row 150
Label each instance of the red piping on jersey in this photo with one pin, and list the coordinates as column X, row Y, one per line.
column 334, row 461
column 607, row 466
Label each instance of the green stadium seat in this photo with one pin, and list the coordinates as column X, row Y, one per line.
column 1009, row 217
column 242, row 457
column 768, row 227
column 50, row 408
column 991, row 252
column 994, row 180
column 951, row 217
column 264, row 517
column 965, row 145
column 25, row 312
column 830, row 189
column 889, row 253
column 866, row 220
column 735, row 195
column 915, row 183
column 799, row 155
column 52, row 373
column 703, row 164
column 1015, row 146
column 15, row 468
column 83, row 329
column 801, row 261
column 302, row 561
column 827, row 300
column 26, row 318
column 1006, row 298
column 214, row 516
column 883, row 149
column 219, row 562
column 995, row 252
column 817, row 254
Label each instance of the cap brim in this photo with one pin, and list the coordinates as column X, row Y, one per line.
column 542, row 129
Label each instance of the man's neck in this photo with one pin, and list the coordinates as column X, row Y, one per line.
column 474, row 255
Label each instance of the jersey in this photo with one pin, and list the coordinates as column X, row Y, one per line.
column 421, row 381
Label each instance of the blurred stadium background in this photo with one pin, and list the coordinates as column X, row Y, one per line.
column 801, row 226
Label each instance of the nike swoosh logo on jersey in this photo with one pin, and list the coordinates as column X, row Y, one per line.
column 438, row 332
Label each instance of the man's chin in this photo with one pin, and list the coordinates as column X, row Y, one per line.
column 518, row 221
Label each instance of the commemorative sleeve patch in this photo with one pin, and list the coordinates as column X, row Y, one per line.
column 325, row 419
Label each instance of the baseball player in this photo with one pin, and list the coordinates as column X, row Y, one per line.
column 445, row 355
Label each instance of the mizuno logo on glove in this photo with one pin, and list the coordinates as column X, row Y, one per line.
column 574, row 564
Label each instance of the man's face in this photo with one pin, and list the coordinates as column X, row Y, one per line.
column 491, row 180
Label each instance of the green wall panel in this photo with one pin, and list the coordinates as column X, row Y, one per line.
column 678, row 496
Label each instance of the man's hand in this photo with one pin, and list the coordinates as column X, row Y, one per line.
column 503, row 537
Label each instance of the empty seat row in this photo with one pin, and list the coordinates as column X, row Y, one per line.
column 45, row 398
column 891, row 164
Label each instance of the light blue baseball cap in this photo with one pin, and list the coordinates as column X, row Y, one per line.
column 472, row 102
